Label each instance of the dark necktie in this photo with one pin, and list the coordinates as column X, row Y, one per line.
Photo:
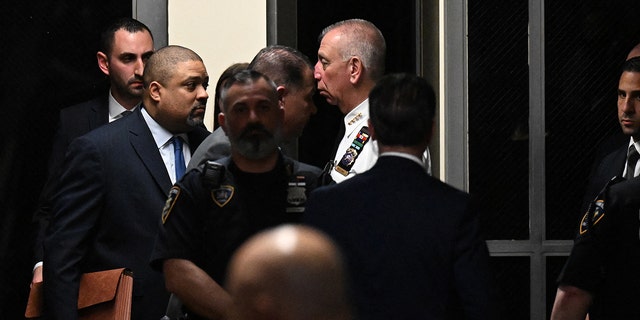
column 178, row 157
column 632, row 159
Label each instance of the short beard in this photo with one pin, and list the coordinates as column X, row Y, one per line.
column 255, row 147
column 194, row 121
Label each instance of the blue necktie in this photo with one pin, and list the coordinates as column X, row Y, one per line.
column 178, row 157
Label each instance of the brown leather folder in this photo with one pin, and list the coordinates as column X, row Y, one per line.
column 103, row 295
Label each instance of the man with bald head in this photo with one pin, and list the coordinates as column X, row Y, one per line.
column 219, row 205
column 115, row 181
column 287, row 273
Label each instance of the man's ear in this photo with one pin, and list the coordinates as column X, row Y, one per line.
column 355, row 69
column 372, row 130
column 283, row 92
column 154, row 90
column 221, row 122
column 103, row 62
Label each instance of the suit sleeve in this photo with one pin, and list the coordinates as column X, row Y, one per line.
column 42, row 214
column 473, row 278
column 76, row 209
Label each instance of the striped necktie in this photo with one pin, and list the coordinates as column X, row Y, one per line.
column 632, row 159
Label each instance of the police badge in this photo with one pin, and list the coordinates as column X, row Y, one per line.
column 296, row 195
column 222, row 195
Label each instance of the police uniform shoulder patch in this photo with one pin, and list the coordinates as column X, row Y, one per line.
column 174, row 193
column 596, row 212
column 222, row 195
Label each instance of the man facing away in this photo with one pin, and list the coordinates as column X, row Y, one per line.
column 216, row 207
column 289, row 272
column 125, row 46
column 106, row 211
column 412, row 243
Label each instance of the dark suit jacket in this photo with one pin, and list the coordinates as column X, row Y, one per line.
column 106, row 214
column 611, row 164
column 74, row 122
column 411, row 243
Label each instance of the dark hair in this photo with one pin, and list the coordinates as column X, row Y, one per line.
column 284, row 65
column 129, row 24
column 244, row 77
column 631, row 65
column 226, row 74
column 402, row 107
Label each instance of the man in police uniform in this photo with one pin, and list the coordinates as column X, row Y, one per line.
column 601, row 275
column 213, row 210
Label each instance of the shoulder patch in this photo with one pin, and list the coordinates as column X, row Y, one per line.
column 598, row 214
column 222, row 195
column 174, row 193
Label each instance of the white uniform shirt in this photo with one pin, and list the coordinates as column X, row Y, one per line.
column 353, row 123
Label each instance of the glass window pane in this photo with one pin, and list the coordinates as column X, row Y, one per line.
column 585, row 44
column 512, row 276
column 499, row 115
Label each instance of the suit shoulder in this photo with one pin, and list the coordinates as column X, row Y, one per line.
column 99, row 102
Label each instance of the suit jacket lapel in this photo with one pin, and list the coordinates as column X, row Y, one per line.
column 144, row 145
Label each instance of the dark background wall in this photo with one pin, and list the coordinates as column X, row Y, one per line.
column 48, row 62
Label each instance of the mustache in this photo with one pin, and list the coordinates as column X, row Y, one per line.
column 253, row 129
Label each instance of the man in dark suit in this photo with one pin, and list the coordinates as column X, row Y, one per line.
column 125, row 46
column 612, row 155
column 573, row 298
column 412, row 243
column 114, row 183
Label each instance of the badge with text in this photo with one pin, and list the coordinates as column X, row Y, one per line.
column 222, row 195
column 174, row 193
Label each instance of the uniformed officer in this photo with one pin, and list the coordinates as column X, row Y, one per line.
column 214, row 209
column 601, row 275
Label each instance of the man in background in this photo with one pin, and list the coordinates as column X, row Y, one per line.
column 125, row 46
column 292, row 72
column 588, row 280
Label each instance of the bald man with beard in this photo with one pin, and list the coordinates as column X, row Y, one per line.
column 287, row 273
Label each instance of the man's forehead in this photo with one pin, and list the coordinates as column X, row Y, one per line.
column 254, row 92
column 125, row 41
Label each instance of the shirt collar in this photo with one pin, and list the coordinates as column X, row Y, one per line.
column 403, row 155
column 358, row 114
column 160, row 134
column 115, row 108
